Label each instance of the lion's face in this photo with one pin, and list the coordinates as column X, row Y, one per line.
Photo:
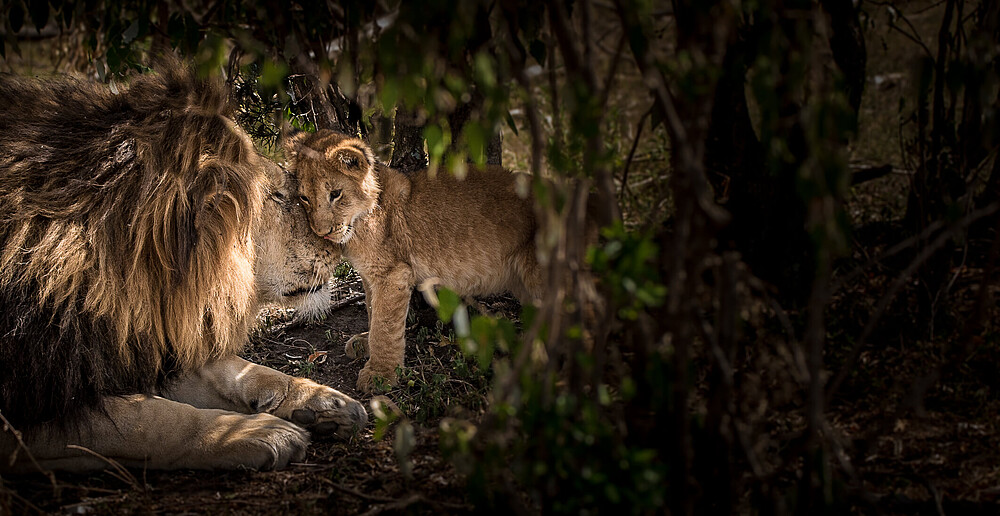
column 292, row 265
column 337, row 186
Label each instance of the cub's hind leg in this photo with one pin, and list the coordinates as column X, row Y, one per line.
column 530, row 284
column 157, row 433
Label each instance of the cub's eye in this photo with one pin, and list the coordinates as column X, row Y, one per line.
column 304, row 199
column 278, row 196
column 334, row 195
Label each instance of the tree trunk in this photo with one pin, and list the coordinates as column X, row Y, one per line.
column 326, row 106
column 768, row 225
column 407, row 143
column 461, row 116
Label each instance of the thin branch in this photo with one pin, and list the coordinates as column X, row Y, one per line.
column 866, row 174
column 610, row 79
column 353, row 492
column 883, row 303
column 631, row 152
column 27, row 503
column 912, row 37
column 118, row 472
column 393, row 503
column 22, row 446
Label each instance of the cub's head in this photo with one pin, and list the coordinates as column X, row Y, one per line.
column 292, row 264
column 337, row 183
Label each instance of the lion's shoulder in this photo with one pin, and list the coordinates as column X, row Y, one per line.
column 125, row 235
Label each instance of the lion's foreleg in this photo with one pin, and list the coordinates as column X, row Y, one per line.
column 232, row 383
column 153, row 432
column 386, row 326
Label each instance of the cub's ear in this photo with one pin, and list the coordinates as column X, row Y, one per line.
column 354, row 157
column 291, row 139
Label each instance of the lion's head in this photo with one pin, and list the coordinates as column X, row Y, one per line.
column 138, row 233
column 293, row 265
column 337, row 181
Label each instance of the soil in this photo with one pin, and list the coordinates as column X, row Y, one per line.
column 336, row 477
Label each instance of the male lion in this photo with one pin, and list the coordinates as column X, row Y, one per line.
column 139, row 234
column 475, row 236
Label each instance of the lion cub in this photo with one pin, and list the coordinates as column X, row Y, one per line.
column 476, row 236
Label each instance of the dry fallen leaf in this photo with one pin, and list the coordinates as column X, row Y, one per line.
column 317, row 357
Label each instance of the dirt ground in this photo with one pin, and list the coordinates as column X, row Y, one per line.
column 335, row 478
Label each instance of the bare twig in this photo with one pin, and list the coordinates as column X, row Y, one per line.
column 393, row 504
column 929, row 250
column 913, row 240
column 347, row 301
column 22, row 446
column 118, row 470
column 866, row 174
column 27, row 503
column 353, row 492
column 631, row 152
column 914, row 36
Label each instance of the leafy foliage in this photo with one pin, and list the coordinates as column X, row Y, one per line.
column 664, row 360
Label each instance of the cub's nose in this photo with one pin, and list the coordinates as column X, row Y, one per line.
column 323, row 233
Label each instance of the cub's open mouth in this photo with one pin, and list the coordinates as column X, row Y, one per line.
column 304, row 290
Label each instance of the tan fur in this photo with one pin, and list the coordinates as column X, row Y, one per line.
column 254, row 247
column 227, row 413
column 476, row 236
column 66, row 256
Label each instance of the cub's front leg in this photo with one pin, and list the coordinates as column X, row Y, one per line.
column 231, row 383
column 357, row 346
column 388, row 301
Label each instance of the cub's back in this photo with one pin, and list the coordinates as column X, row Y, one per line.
column 469, row 232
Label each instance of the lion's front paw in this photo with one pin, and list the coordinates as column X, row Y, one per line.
column 322, row 410
column 357, row 346
column 374, row 376
column 258, row 441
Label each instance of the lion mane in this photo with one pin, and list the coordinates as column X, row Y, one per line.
column 126, row 238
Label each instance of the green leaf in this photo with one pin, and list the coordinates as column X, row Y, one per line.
column 475, row 141
column 102, row 70
column 389, row 95
column 461, row 321
column 511, row 123
column 436, row 141
column 272, row 75
column 448, row 302
column 131, row 32
column 485, row 70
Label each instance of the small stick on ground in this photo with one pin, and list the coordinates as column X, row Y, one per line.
column 119, row 471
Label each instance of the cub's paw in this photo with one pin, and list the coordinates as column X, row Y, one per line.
column 258, row 441
column 357, row 346
column 374, row 376
column 323, row 411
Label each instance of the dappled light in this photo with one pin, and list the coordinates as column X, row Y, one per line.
column 587, row 256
